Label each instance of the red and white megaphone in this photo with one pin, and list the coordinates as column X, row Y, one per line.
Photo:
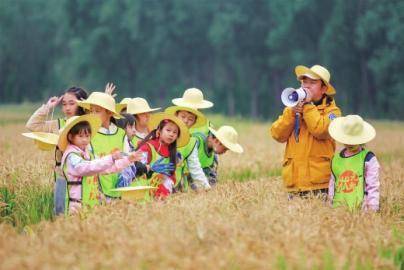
column 290, row 96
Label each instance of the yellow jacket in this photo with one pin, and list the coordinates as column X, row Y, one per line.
column 307, row 163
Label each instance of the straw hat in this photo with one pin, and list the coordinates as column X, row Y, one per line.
column 351, row 130
column 92, row 119
column 139, row 105
column 103, row 100
column 122, row 105
column 45, row 141
column 134, row 193
column 200, row 118
column 316, row 72
column 192, row 98
column 228, row 136
column 156, row 118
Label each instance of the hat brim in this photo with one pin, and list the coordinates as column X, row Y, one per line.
column 336, row 132
column 92, row 119
column 134, row 193
column 148, row 110
column 200, row 118
column 156, row 118
column 303, row 71
column 87, row 105
column 43, row 140
column 235, row 147
column 204, row 104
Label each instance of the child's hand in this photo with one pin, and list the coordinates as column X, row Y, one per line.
column 53, row 102
column 110, row 88
column 135, row 156
column 116, row 154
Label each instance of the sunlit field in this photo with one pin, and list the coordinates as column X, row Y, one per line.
column 245, row 222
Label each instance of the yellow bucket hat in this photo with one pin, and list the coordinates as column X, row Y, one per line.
column 122, row 105
column 43, row 140
column 200, row 118
column 139, row 105
column 103, row 100
column 316, row 72
column 134, row 193
column 351, row 130
column 92, row 119
column 228, row 136
column 192, row 98
column 156, row 118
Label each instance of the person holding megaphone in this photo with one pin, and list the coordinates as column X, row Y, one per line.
column 304, row 127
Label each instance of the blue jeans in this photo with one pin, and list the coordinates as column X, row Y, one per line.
column 59, row 198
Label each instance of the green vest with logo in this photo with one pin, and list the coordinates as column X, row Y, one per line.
column 102, row 145
column 349, row 174
column 206, row 157
column 182, row 172
column 90, row 189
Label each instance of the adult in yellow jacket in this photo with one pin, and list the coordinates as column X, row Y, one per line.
column 307, row 159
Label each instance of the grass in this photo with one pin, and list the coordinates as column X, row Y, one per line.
column 246, row 222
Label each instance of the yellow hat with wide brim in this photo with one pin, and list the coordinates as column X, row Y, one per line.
column 134, row 193
column 316, row 72
column 43, row 140
column 92, row 119
column 351, row 130
column 193, row 98
column 103, row 100
column 122, row 105
column 156, row 118
column 139, row 105
column 200, row 118
column 228, row 136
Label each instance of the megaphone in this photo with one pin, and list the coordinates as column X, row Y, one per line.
column 290, row 96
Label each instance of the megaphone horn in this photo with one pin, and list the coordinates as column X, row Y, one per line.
column 290, row 96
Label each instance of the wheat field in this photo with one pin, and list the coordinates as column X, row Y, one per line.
column 245, row 222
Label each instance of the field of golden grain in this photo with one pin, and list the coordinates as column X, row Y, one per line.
column 246, row 222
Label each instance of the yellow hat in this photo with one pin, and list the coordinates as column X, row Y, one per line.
column 316, row 72
column 43, row 140
column 193, row 98
column 156, row 118
column 103, row 100
column 351, row 130
column 139, row 105
column 200, row 118
column 92, row 119
column 134, row 193
column 122, row 105
column 228, row 136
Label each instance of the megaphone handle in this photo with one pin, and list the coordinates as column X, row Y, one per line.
column 297, row 126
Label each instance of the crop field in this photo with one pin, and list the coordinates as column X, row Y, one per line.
column 245, row 222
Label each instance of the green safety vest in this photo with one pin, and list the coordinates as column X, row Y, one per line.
column 90, row 189
column 182, row 171
column 136, row 140
column 203, row 129
column 61, row 122
column 206, row 158
column 349, row 174
column 102, row 145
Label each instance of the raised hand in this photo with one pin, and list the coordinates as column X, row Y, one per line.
column 53, row 102
column 110, row 88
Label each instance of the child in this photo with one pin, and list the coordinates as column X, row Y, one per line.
column 39, row 122
column 160, row 146
column 354, row 180
column 79, row 168
column 193, row 98
column 189, row 153
column 108, row 138
column 217, row 142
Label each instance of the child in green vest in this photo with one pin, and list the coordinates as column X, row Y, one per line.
column 216, row 143
column 108, row 138
column 355, row 170
column 79, row 167
column 160, row 146
column 189, row 153
column 41, row 121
